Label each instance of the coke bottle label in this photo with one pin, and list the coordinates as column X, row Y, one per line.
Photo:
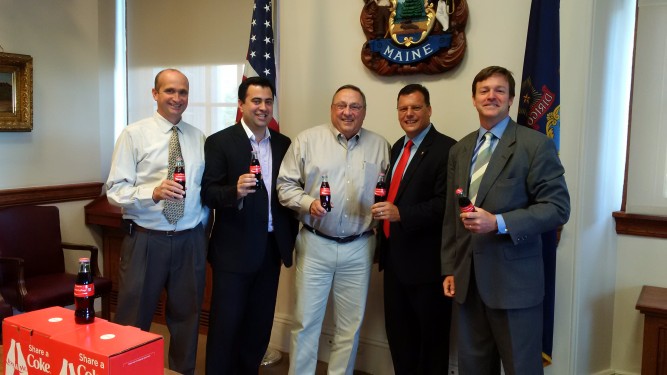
column 468, row 208
column 464, row 203
column 256, row 169
column 179, row 177
column 84, row 290
column 325, row 191
column 380, row 192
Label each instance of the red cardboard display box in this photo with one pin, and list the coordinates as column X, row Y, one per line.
column 48, row 341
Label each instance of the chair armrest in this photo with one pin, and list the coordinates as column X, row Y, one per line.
column 13, row 272
column 94, row 267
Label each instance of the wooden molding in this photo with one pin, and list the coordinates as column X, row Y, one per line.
column 640, row 225
column 50, row 194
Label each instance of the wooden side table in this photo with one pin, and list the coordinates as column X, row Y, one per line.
column 652, row 302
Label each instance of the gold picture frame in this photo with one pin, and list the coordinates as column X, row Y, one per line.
column 15, row 92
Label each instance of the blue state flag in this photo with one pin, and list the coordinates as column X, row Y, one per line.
column 539, row 108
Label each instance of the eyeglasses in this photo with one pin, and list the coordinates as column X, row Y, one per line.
column 354, row 107
column 415, row 109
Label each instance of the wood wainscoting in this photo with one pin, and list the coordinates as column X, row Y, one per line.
column 50, row 194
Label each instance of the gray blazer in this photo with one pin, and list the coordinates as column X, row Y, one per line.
column 524, row 182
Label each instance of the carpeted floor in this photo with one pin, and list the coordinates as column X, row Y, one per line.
column 280, row 368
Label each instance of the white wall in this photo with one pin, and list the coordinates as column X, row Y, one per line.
column 322, row 51
column 63, row 38
column 641, row 261
column 69, row 41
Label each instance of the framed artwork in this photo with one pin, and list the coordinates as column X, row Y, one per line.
column 15, row 92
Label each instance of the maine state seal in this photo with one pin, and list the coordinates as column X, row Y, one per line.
column 413, row 36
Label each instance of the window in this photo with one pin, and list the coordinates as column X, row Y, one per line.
column 644, row 208
column 212, row 101
column 210, row 52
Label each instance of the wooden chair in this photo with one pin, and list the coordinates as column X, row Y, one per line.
column 32, row 261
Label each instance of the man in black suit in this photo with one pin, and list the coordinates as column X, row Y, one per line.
column 252, row 233
column 492, row 257
column 417, row 314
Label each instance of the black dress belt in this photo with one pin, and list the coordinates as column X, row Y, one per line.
column 169, row 233
column 337, row 239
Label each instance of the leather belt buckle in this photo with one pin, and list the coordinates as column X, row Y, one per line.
column 169, row 233
column 336, row 239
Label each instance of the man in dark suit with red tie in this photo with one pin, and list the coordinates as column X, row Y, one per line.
column 417, row 314
column 251, row 235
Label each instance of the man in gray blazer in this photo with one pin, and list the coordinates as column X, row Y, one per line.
column 492, row 256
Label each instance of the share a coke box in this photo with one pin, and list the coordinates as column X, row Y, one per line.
column 26, row 340
column 48, row 341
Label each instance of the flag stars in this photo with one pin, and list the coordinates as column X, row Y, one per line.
column 260, row 55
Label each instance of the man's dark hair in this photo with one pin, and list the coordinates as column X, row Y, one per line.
column 415, row 87
column 491, row 70
column 254, row 81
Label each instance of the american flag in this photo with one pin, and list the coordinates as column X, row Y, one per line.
column 261, row 60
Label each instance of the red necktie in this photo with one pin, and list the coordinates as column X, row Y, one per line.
column 396, row 180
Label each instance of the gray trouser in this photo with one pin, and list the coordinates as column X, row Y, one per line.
column 151, row 263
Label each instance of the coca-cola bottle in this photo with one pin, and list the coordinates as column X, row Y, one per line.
column 465, row 205
column 179, row 173
column 381, row 189
column 84, row 294
column 325, row 193
column 256, row 169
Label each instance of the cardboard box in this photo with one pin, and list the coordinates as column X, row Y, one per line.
column 26, row 339
column 50, row 342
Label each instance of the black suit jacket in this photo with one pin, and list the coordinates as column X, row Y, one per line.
column 414, row 245
column 238, row 239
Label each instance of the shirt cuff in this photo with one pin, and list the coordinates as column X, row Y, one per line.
column 502, row 228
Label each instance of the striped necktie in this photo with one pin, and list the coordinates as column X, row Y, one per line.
column 479, row 163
